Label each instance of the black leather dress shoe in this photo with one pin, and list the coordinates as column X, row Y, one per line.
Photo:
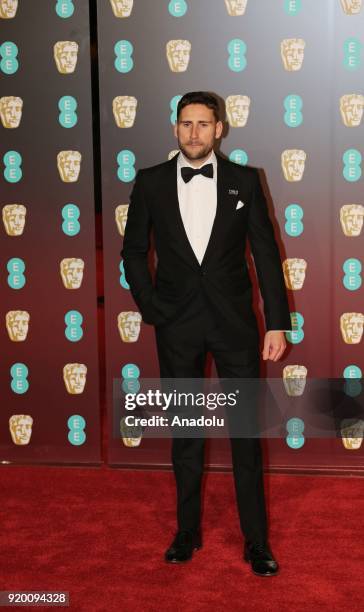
column 183, row 547
column 261, row 559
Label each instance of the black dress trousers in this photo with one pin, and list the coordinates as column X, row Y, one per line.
column 182, row 349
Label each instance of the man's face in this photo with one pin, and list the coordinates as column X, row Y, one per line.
column 196, row 131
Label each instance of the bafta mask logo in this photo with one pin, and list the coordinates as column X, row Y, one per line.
column 8, row 9
column 236, row 8
column 121, row 216
column 178, row 55
column 293, row 164
column 69, row 165
column 124, row 109
column 294, row 270
column 351, row 325
column 130, row 435
column 294, row 379
column 352, row 431
column 74, row 376
column 14, row 219
column 17, row 324
column 173, row 154
column 11, row 111
column 237, row 110
column 65, row 55
column 352, row 108
column 351, row 219
column 129, row 326
column 122, row 8
column 351, row 7
column 72, row 272
column 292, row 53
column 20, row 426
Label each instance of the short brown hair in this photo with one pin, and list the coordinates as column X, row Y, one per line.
column 199, row 97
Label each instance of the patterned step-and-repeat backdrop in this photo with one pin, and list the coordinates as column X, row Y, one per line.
column 48, row 334
column 291, row 73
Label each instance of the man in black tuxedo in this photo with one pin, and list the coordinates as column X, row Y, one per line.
column 202, row 208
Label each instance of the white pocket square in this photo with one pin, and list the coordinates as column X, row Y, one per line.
column 240, row 204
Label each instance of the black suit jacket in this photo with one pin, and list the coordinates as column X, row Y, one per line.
column 223, row 274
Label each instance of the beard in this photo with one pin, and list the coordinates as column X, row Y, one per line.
column 196, row 153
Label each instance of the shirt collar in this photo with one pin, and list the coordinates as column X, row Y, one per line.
column 182, row 161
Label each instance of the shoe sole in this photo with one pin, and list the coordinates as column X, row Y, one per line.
column 265, row 575
column 176, row 562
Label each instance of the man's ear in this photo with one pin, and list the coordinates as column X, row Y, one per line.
column 175, row 129
column 218, row 130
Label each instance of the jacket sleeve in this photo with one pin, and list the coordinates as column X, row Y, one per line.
column 135, row 251
column 267, row 262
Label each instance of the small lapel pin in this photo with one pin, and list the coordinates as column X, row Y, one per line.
column 233, row 192
column 240, row 204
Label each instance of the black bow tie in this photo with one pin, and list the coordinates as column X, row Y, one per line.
column 188, row 173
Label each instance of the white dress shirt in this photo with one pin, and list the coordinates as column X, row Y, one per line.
column 197, row 204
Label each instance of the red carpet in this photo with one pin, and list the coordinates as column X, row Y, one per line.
column 100, row 534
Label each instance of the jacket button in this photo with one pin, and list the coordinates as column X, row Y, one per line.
column 203, row 273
